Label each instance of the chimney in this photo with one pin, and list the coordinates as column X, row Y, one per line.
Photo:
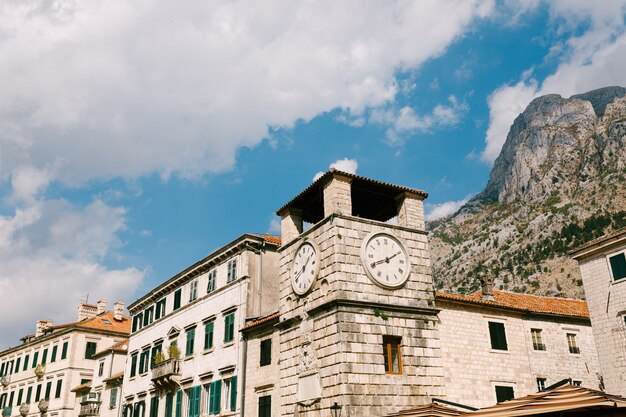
column 118, row 311
column 102, row 306
column 487, row 288
column 42, row 326
column 86, row 311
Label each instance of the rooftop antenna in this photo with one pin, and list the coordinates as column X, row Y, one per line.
column 85, row 300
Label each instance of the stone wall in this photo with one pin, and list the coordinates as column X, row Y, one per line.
column 262, row 381
column 607, row 306
column 473, row 369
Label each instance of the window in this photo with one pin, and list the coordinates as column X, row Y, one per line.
column 392, row 354
column 11, row 398
column 208, row 335
column 137, row 322
column 113, row 398
column 148, row 314
column 618, row 266
column 232, row 270
column 17, row 365
column 48, row 389
column 230, row 394
column 38, row 393
column 29, row 394
column 571, row 343
column 154, row 407
column 177, row 295
column 100, row 368
column 215, row 395
column 541, row 384
column 210, row 286
column 498, row 336
column 229, row 328
column 169, row 404
column 133, row 365
column 265, row 406
column 53, row 357
column 191, row 338
column 577, row 383
column 90, row 350
column 537, row 342
column 156, row 349
column 25, row 363
column 44, row 357
column 193, row 401
column 64, row 351
column 266, row 352
column 179, row 403
column 144, row 360
column 160, row 309
column 19, row 396
column 193, row 290
column 35, row 358
column 504, row 393
column 57, row 391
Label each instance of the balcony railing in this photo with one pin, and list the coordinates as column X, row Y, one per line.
column 89, row 408
column 166, row 373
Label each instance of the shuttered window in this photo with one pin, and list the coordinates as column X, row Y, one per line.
column 179, row 403
column 191, row 340
column 265, row 406
column 53, row 357
column 266, row 352
column 48, row 389
column 498, row 336
column 90, row 350
column 133, row 365
column 208, row 335
column 44, row 357
column 154, row 407
column 215, row 396
column 169, row 402
column 229, row 327
column 64, row 351
column 233, row 393
column 194, row 401
column 113, row 398
column 177, row 296
column 57, row 392
column 618, row 266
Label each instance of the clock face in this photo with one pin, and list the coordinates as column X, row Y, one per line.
column 385, row 260
column 305, row 268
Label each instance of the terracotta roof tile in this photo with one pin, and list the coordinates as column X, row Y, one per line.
column 119, row 347
column 114, row 377
column 261, row 320
column 269, row 238
column 523, row 302
column 82, row 387
column 106, row 321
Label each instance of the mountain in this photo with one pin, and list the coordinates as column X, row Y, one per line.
column 558, row 182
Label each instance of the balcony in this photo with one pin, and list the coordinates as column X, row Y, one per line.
column 90, row 406
column 166, row 374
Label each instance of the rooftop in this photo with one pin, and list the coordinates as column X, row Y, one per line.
column 119, row 347
column 429, row 410
column 371, row 199
column 526, row 303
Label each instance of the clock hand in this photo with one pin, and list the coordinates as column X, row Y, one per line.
column 387, row 259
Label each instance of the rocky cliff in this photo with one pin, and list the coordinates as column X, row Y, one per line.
column 558, row 181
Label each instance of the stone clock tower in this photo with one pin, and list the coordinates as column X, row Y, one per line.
column 358, row 325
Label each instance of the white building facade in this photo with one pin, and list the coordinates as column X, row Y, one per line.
column 40, row 373
column 186, row 352
column 602, row 264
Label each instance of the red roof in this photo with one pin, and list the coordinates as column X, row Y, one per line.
column 270, row 238
column 261, row 320
column 523, row 302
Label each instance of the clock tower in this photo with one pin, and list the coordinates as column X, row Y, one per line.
column 358, row 324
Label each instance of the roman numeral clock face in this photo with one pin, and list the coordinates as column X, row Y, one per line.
column 385, row 260
column 305, row 268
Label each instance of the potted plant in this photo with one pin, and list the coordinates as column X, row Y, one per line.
column 174, row 352
column 158, row 358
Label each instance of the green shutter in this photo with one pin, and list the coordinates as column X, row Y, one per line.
column 233, row 393
column 35, row 357
column 64, row 351
column 191, row 337
column 215, row 397
column 48, row 389
column 208, row 335
column 618, row 266
column 169, row 400
column 113, row 398
column 57, row 394
column 179, row 403
column 54, row 354
column 44, row 358
column 194, row 401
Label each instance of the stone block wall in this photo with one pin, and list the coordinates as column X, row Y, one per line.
column 607, row 307
column 262, row 380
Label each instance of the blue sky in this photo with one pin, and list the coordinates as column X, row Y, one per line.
column 135, row 138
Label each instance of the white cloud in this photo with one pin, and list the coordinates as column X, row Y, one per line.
column 52, row 255
column 437, row 211
column 346, row 165
column 143, row 87
column 594, row 59
column 274, row 228
column 406, row 121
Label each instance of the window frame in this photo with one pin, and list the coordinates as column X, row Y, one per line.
column 265, row 352
column 541, row 384
column 89, row 353
column 193, row 290
column 229, row 328
column 571, row 343
column 211, row 281
column 190, row 341
column 178, row 297
column 209, row 334
column 537, row 340
column 507, row 387
column 231, row 268
column 388, row 343
column 609, row 257
column 495, row 342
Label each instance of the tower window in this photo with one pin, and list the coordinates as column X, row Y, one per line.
column 393, row 354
